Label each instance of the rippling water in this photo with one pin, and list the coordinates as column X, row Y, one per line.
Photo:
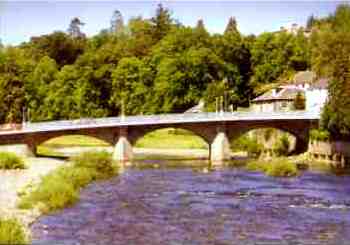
column 186, row 205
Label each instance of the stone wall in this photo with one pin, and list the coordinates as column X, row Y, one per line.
column 335, row 152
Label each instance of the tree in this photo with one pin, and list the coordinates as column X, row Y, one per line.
column 74, row 28
column 117, row 22
column 162, row 22
column 310, row 22
column 14, row 68
column 37, row 87
column 57, row 45
column 299, row 101
column 132, row 83
column 330, row 58
column 231, row 26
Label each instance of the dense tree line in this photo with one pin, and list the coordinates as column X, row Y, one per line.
column 331, row 58
column 158, row 65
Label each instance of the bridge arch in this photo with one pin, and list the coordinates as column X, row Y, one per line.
column 206, row 134
column 301, row 134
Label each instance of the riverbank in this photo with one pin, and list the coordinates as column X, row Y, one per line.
column 15, row 181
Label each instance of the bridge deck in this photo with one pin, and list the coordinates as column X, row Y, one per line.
column 162, row 119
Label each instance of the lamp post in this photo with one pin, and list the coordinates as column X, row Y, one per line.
column 23, row 116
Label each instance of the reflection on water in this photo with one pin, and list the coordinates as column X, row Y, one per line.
column 191, row 204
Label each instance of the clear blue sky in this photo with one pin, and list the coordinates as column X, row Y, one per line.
column 19, row 20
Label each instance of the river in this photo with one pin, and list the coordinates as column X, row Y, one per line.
column 163, row 204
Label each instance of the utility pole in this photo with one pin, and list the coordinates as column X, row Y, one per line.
column 23, row 116
column 221, row 105
column 122, row 117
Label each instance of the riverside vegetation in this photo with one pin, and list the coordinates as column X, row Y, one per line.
column 9, row 160
column 278, row 167
column 61, row 187
column 12, row 232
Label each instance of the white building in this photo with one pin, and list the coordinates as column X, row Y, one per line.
column 282, row 98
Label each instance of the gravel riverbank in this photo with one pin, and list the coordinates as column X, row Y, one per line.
column 14, row 181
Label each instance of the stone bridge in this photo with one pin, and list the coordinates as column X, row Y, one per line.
column 123, row 132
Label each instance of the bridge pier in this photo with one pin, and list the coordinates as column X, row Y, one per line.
column 123, row 149
column 220, row 148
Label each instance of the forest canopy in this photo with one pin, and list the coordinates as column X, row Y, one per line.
column 158, row 65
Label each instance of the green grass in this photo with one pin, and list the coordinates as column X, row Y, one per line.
column 12, row 232
column 44, row 150
column 279, row 167
column 171, row 139
column 60, row 188
column 9, row 160
column 74, row 140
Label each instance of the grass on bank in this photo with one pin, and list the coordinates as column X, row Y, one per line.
column 60, row 188
column 279, row 167
column 9, row 160
column 74, row 140
column 170, row 138
column 12, row 232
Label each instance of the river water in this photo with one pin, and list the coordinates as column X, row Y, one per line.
column 163, row 204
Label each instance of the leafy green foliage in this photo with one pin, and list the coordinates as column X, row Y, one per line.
column 247, row 144
column 12, row 232
column 279, row 167
column 319, row 135
column 330, row 57
column 158, row 65
column 299, row 101
column 61, row 187
column 100, row 161
column 9, row 160
column 281, row 147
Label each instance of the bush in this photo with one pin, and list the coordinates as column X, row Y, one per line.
column 319, row 135
column 268, row 133
column 299, row 101
column 9, row 160
column 281, row 147
column 61, row 187
column 280, row 167
column 245, row 143
column 12, row 232
column 100, row 162
column 256, row 166
column 54, row 190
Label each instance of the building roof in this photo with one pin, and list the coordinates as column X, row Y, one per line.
column 321, row 83
column 197, row 108
column 286, row 93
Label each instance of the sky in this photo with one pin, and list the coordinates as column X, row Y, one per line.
column 20, row 20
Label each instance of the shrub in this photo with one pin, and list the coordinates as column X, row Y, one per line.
column 12, row 232
column 281, row 147
column 256, row 166
column 280, row 167
column 245, row 143
column 299, row 101
column 319, row 135
column 268, row 133
column 61, row 187
column 101, row 162
column 9, row 160
column 54, row 190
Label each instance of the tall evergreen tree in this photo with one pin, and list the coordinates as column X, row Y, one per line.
column 74, row 28
column 231, row 26
column 162, row 22
column 117, row 22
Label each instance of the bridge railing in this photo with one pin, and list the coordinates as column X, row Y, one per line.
column 167, row 118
